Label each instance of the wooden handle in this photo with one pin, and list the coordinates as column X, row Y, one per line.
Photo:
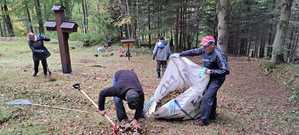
column 60, row 108
column 96, row 106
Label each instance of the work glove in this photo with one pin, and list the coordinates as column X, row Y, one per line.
column 175, row 55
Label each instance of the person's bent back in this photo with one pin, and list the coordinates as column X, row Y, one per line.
column 125, row 86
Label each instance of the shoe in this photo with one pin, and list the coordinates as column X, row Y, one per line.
column 200, row 123
column 34, row 74
column 158, row 75
column 212, row 117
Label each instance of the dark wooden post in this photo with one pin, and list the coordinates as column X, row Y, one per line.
column 128, row 43
column 63, row 29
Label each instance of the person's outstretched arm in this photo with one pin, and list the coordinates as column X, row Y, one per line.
column 43, row 38
column 192, row 52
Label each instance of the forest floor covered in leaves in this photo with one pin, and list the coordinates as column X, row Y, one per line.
column 250, row 101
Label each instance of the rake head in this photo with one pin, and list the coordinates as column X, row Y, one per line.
column 76, row 86
column 115, row 129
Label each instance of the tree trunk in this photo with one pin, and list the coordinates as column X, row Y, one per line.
column 176, row 35
column 1, row 21
column 295, row 47
column 223, row 7
column 282, row 28
column 45, row 11
column 181, row 28
column 1, row 31
column 290, row 47
column 84, row 16
column 136, row 26
column 129, row 26
column 39, row 16
column 61, row 2
column 159, row 18
column 86, row 13
column 98, row 6
column 262, row 45
column 149, row 24
column 171, row 41
column 7, row 20
column 4, row 27
column 29, row 22
column 196, row 38
column 68, row 9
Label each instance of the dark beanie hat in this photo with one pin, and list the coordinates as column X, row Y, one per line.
column 132, row 98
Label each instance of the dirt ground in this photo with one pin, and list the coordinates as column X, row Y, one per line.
column 250, row 102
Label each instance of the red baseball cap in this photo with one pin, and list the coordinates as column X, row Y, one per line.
column 207, row 40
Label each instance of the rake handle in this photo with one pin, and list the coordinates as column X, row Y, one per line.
column 61, row 108
column 96, row 105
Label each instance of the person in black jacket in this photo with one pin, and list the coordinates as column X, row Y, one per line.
column 217, row 67
column 125, row 86
column 39, row 52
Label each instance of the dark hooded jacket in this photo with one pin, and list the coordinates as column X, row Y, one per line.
column 39, row 51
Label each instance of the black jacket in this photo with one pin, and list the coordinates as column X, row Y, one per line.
column 123, row 81
column 39, row 51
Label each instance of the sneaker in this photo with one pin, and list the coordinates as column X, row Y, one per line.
column 200, row 123
column 213, row 116
column 34, row 74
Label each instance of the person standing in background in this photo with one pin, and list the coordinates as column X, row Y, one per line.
column 161, row 54
column 39, row 52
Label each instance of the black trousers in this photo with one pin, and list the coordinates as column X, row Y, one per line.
column 44, row 64
column 209, row 100
column 161, row 66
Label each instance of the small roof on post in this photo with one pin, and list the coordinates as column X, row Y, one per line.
column 50, row 25
column 128, row 41
column 57, row 8
column 69, row 27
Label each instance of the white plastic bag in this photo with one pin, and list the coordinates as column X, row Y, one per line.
column 181, row 73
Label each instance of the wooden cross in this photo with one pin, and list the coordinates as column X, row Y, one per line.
column 63, row 29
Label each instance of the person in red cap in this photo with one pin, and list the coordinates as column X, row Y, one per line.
column 217, row 67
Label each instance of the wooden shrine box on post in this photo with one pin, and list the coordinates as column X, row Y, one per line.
column 127, row 44
column 63, row 29
column 69, row 27
column 50, row 26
